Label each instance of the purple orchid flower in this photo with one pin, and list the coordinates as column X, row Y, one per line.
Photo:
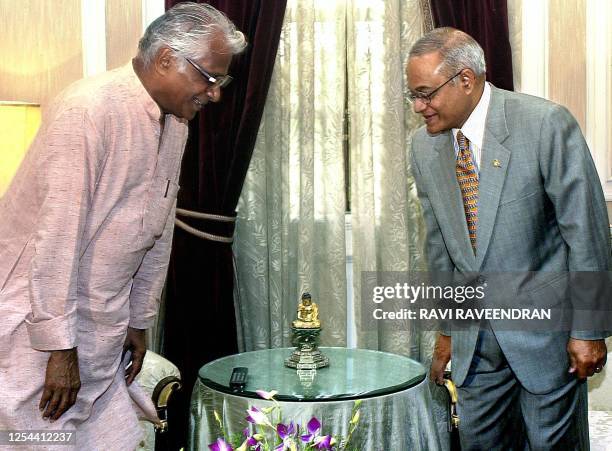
column 320, row 441
column 324, row 442
column 287, row 434
column 285, row 431
column 220, row 445
column 313, row 428
column 256, row 416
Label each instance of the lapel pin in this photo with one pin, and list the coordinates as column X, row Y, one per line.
column 496, row 164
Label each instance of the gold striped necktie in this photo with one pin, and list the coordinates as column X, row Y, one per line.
column 468, row 184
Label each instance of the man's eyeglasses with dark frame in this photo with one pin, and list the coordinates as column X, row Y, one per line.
column 215, row 82
column 426, row 97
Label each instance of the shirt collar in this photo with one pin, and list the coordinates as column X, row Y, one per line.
column 474, row 127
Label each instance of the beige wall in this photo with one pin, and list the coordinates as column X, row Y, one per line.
column 566, row 63
column 123, row 30
column 40, row 48
column 42, row 44
column 567, row 56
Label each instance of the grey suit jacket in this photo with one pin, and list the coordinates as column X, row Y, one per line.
column 541, row 209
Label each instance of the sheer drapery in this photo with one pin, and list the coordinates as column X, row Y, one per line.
column 291, row 224
column 290, row 230
column 387, row 227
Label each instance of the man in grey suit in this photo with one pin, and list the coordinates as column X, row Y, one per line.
column 507, row 185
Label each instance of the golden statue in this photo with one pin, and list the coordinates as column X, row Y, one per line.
column 307, row 314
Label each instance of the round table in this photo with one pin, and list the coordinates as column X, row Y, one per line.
column 400, row 409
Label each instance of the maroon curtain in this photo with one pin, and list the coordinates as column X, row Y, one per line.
column 487, row 22
column 200, row 318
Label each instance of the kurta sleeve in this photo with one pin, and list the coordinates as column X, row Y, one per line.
column 150, row 277
column 66, row 163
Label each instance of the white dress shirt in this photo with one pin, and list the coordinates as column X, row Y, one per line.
column 474, row 127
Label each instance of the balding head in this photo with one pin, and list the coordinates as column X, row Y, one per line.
column 458, row 50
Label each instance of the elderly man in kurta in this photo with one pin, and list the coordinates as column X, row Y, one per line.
column 86, row 228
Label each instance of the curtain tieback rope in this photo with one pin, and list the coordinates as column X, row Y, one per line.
column 199, row 233
column 198, row 215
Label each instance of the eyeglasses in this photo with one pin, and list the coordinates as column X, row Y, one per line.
column 215, row 82
column 426, row 98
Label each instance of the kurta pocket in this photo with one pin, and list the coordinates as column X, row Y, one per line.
column 160, row 200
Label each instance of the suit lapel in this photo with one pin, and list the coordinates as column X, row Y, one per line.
column 448, row 203
column 493, row 169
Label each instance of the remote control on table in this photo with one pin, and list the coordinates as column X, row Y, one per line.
column 239, row 378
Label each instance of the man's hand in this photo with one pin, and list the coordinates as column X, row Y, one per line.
column 441, row 357
column 134, row 342
column 587, row 357
column 62, row 383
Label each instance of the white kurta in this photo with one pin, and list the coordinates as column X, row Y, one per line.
column 85, row 234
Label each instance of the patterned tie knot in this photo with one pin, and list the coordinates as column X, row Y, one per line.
column 462, row 141
column 464, row 159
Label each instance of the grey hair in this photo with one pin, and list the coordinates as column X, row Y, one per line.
column 457, row 49
column 188, row 27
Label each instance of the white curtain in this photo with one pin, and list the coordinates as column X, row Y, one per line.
column 387, row 227
column 290, row 229
column 290, row 234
